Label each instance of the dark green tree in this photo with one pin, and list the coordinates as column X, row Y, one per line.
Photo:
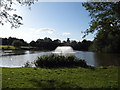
column 57, row 41
column 85, row 45
column 33, row 43
column 106, row 22
column 68, row 40
column 74, row 45
column 17, row 43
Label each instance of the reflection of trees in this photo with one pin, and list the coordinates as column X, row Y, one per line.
column 13, row 52
column 104, row 59
column 19, row 52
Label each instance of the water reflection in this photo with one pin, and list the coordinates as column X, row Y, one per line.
column 106, row 59
column 13, row 52
column 17, row 58
column 87, row 56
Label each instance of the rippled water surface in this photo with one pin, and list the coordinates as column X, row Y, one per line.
column 9, row 58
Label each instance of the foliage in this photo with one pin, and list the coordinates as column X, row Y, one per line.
column 75, row 78
column 46, row 44
column 27, row 64
column 33, row 43
column 49, row 44
column 9, row 41
column 106, row 22
column 17, row 43
column 57, row 61
column 5, row 9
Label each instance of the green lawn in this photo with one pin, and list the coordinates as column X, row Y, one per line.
column 100, row 77
column 8, row 47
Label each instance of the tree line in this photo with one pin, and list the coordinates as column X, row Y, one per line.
column 47, row 43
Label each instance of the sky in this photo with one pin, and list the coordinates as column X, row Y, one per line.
column 56, row 20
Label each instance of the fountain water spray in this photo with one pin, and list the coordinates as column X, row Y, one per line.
column 63, row 50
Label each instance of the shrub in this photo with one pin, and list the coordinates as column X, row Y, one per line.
column 57, row 61
column 27, row 64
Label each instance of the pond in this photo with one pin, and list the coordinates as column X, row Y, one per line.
column 17, row 58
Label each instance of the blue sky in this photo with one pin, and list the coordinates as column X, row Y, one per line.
column 57, row 20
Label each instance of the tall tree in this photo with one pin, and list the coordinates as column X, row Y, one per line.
column 106, row 21
column 32, row 43
column 5, row 9
column 17, row 43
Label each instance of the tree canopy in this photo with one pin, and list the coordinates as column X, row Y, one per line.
column 17, row 43
column 46, row 43
column 14, row 19
column 106, row 22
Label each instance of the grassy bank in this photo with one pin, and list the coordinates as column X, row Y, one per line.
column 8, row 47
column 100, row 77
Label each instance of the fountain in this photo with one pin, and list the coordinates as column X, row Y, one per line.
column 63, row 50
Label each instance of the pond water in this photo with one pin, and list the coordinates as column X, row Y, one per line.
column 17, row 58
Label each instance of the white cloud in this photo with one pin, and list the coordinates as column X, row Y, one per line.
column 27, row 34
column 66, row 33
column 43, row 30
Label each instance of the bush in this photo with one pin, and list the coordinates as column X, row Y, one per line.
column 57, row 61
column 27, row 64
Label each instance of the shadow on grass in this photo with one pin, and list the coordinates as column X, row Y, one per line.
column 52, row 84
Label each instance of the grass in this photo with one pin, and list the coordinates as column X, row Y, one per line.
column 8, row 47
column 32, row 77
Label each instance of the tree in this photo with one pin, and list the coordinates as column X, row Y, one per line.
column 10, row 40
column 57, row 41
column 17, row 43
column 106, row 21
column 46, row 39
column 33, row 43
column 4, row 41
column 85, row 45
column 74, row 45
column 5, row 9
column 68, row 40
